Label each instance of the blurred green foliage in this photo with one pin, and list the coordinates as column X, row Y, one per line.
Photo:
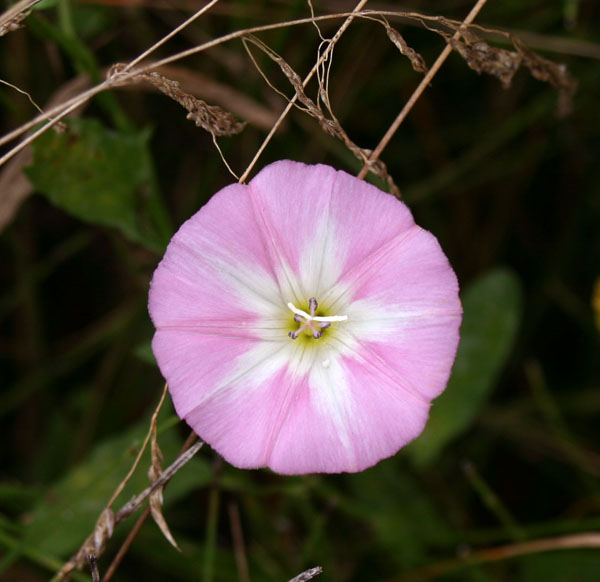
column 511, row 452
column 486, row 338
column 103, row 177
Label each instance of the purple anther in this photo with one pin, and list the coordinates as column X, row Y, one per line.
column 324, row 324
column 317, row 334
column 293, row 334
column 312, row 305
column 298, row 318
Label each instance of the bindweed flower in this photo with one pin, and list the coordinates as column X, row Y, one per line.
column 304, row 321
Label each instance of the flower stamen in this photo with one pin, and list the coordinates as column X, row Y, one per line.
column 316, row 323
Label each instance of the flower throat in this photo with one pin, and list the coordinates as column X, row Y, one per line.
column 311, row 322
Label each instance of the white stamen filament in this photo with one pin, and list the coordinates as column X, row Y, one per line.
column 308, row 317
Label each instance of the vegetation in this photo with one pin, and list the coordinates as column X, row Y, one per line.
column 498, row 158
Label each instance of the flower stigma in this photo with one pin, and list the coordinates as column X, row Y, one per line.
column 309, row 321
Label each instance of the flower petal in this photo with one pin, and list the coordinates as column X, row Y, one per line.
column 348, row 417
column 405, row 309
column 219, row 302
column 293, row 205
column 215, row 268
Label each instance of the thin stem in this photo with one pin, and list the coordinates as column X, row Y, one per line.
column 169, row 36
column 138, row 524
column 141, row 451
column 126, row 545
column 419, row 90
column 211, row 533
column 493, row 502
column 16, row 13
column 65, row 108
column 308, row 77
column 75, row 103
column 307, row 574
column 239, row 548
column 587, row 540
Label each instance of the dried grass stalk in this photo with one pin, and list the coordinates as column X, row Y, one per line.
column 416, row 60
column 211, row 118
column 156, row 497
column 330, row 125
column 503, row 64
column 12, row 18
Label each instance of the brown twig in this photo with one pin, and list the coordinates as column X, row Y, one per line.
column 126, row 545
column 108, row 520
column 419, row 91
column 94, row 567
column 328, row 123
column 588, row 540
column 12, row 18
column 308, row 77
column 136, row 502
column 59, row 112
column 211, row 118
column 239, row 548
column 307, row 574
column 138, row 524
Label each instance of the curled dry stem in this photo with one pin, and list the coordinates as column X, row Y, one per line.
column 60, row 111
column 329, row 124
column 109, row 519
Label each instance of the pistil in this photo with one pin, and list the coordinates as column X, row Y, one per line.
column 316, row 323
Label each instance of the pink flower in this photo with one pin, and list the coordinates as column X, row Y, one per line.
column 304, row 322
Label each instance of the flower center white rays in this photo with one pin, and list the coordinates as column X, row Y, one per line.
column 316, row 323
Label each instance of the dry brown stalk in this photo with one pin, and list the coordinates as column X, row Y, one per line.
column 503, row 64
column 156, row 497
column 307, row 574
column 94, row 567
column 108, row 520
column 118, row 558
column 103, row 531
column 211, row 118
column 416, row 60
column 12, row 18
column 110, row 571
column 419, row 90
column 349, row 18
column 239, row 547
column 15, row 187
column 61, row 111
column 330, row 125
column 226, row 96
column 586, row 540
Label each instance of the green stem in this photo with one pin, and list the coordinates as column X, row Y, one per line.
column 65, row 17
column 493, row 502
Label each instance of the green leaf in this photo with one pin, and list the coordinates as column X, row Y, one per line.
column 403, row 518
column 144, row 352
column 492, row 311
column 103, row 177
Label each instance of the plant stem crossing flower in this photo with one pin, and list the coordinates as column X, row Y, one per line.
column 304, row 322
